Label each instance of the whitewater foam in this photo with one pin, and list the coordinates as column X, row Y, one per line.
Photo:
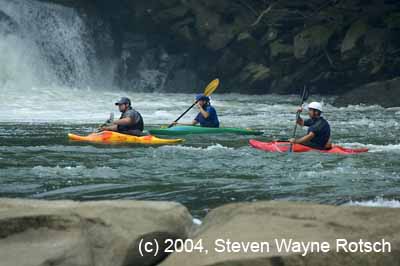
column 75, row 172
column 197, row 221
column 377, row 202
column 372, row 147
column 191, row 148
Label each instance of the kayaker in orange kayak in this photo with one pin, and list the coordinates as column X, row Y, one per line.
column 319, row 131
column 130, row 122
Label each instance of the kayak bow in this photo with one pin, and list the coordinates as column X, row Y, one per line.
column 276, row 146
column 108, row 137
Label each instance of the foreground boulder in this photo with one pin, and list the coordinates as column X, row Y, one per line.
column 86, row 234
column 383, row 93
column 270, row 221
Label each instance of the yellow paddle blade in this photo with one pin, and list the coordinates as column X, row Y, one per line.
column 211, row 87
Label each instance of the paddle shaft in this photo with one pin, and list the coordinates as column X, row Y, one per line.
column 303, row 98
column 110, row 119
column 294, row 131
column 182, row 115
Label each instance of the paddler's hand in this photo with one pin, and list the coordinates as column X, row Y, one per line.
column 293, row 141
column 199, row 106
column 104, row 128
column 174, row 123
column 300, row 110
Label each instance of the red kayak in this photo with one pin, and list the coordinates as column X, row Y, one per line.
column 283, row 146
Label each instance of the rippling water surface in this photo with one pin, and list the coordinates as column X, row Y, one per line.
column 37, row 160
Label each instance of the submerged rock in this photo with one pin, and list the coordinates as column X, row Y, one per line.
column 34, row 233
column 274, row 222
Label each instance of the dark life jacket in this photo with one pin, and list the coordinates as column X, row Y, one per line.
column 137, row 121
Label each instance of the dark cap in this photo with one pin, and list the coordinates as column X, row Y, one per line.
column 202, row 97
column 123, row 100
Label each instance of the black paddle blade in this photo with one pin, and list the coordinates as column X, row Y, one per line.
column 305, row 94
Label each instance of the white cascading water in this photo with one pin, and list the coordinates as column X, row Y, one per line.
column 50, row 46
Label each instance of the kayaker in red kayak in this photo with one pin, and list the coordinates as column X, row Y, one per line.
column 130, row 122
column 207, row 116
column 319, row 131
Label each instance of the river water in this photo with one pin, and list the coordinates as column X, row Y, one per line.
column 37, row 160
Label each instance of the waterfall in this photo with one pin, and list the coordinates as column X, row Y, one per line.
column 49, row 45
column 46, row 45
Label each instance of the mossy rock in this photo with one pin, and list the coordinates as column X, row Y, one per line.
column 169, row 3
column 247, row 46
column 392, row 20
column 279, row 50
column 310, row 41
column 172, row 14
column 270, row 36
column 353, row 36
column 254, row 75
column 229, row 63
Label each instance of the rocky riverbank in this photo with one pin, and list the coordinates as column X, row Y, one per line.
column 254, row 47
column 34, row 233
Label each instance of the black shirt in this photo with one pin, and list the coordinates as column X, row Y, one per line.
column 320, row 127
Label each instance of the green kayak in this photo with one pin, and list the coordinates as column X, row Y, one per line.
column 187, row 130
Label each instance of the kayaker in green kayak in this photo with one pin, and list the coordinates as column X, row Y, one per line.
column 207, row 116
column 319, row 131
column 130, row 122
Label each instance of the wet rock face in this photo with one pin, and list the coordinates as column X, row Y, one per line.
column 312, row 41
column 34, row 233
column 333, row 46
column 307, row 42
column 385, row 93
column 104, row 233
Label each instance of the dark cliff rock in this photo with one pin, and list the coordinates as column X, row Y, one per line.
column 277, row 46
column 384, row 93
column 253, row 46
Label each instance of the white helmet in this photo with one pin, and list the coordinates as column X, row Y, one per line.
column 316, row 106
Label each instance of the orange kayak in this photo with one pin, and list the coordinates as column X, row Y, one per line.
column 109, row 137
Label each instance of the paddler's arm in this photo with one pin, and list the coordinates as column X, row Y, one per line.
column 203, row 112
column 120, row 122
column 300, row 121
column 109, row 128
column 123, row 122
column 304, row 139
